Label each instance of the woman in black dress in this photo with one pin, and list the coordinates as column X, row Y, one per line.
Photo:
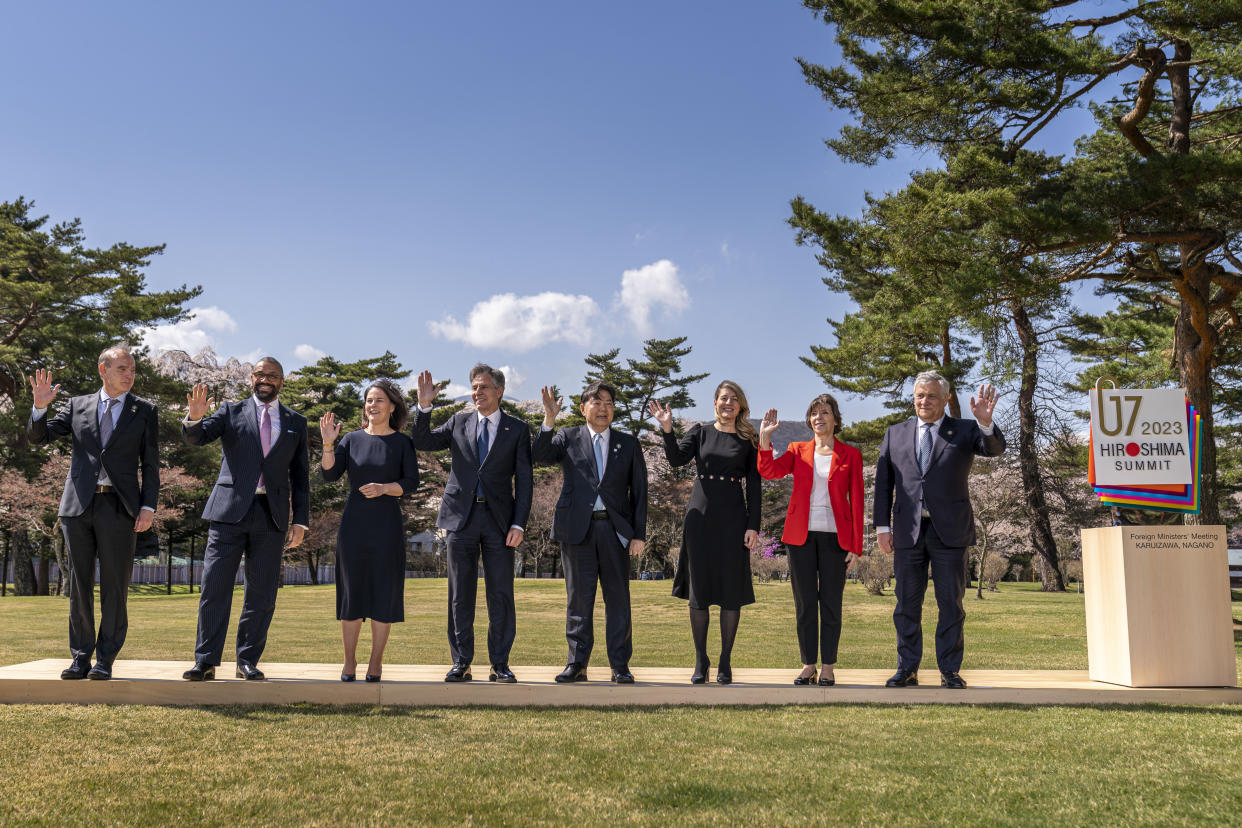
column 722, row 520
column 370, row 545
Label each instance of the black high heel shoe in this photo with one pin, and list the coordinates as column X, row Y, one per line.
column 827, row 681
column 724, row 673
column 349, row 676
column 701, row 666
column 803, row 681
column 372, row 678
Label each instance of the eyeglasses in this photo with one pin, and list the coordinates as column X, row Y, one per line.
column 272, row 378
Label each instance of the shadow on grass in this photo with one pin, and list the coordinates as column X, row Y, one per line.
column 695, row 795
column 244, row 712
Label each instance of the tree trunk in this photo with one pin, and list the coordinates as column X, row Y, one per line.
column 23, row 566
column 4, row 564
column 190, row 577
column 1034, row 503
column 168, row 566
column 62, row 563
column 45, row 570
column 946, row 356
column 312, row 567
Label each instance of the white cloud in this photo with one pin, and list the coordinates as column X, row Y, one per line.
column 653, row 287
column 191, row 334
column 512, row 378
column 520, row 323
column 308, row 353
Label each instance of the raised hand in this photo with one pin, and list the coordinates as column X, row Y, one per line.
column 663, row 415
column 329, row 428
column 551, row 406
column 770, row 423
column 426, row 389
column 199, row 403
column 983, row 405
column 42, row 388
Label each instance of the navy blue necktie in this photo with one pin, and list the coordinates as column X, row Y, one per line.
column 481, row 445
column 925, row 448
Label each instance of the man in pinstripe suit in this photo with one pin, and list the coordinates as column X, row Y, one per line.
column 265, row 468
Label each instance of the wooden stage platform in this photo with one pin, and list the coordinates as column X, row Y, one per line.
column 160, row 683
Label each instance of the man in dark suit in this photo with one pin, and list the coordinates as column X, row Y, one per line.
column 484, row 510
column 601, row 513
column 265, row 468
column 110, row 495
column 925, row 462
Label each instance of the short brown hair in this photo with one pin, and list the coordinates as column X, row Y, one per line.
column 831, row 402
column 400, row 408
column 591, row 392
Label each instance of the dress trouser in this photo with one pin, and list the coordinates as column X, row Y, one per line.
column 480, row 536
column 948, row 568
column 257, row 538
column 103, row 532
column 600, row 557
column 817, row 575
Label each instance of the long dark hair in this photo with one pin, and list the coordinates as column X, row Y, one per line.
column 400, row 409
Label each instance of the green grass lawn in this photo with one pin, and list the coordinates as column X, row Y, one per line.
column 839, row 764
column 1018, row 627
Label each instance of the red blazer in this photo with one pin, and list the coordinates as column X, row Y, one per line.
column 845, row 491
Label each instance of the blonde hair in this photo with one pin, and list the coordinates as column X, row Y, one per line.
column 742, row 421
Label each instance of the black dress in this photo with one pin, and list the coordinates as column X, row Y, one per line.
column 714, row 565
column 370, row 545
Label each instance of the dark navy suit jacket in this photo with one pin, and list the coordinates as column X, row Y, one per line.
column 944, row 490
column 285, row 470
column 623, row 489
column 506, row 475
column 133, row 450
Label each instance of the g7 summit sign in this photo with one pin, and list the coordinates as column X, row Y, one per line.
column 1140, row 436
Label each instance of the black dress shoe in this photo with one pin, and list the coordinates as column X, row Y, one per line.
column 460, row 671
column 701, row 666
column 903, row 678
column 622, row 675
column 102, row 671
column 201, row 671
column 502, row 674
column 724, row 673
column 249, row 672
column 574, row 671
column 952, row 681
column 825, row 681
column 803, row 681
column 76, row 670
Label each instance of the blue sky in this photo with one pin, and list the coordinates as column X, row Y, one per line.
column 514, row 183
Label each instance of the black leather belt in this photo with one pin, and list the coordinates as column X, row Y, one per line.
column 599, row 514
column 104, row 488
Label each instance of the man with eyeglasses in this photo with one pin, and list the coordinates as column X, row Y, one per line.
column 265, row 469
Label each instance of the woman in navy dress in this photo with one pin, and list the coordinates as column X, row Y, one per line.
column 722, row 521
column 370, row 545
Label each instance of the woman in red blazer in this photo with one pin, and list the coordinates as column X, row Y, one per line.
column 823, row 527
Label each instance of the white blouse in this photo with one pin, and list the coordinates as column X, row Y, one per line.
column 822, row 519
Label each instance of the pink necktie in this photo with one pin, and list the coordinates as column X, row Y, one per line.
column 265, row 437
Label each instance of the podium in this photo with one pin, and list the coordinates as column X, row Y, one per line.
column 1158, row 606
